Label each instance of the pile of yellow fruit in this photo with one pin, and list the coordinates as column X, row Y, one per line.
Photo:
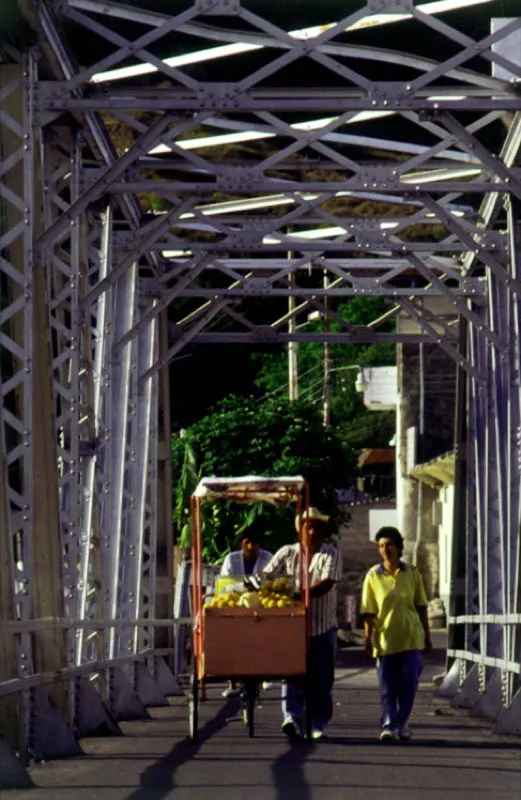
column 276, row 593
column 226, row 600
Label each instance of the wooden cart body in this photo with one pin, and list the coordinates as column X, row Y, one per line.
column 243, row 642
column 240, row 642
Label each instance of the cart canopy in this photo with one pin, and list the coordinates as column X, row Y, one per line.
column 251, row 488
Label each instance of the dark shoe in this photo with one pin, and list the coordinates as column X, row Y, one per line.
column 388, row 735
column 231, row 692
column 404, row 732
column 293, row 730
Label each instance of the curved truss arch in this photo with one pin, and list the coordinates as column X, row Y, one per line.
column 261, row 148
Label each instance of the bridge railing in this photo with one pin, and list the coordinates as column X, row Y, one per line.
column 489, row 685
column 47, row 722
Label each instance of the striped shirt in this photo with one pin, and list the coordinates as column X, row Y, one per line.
column 233, row 564
column 325, row 565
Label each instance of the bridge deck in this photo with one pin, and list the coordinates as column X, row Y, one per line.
column 452, row 754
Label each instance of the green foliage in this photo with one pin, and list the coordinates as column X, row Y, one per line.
column 368, row 429
column 356, row 426
column 184, row 460
column 242, row 437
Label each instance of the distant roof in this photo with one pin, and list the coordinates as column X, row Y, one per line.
column 251, row 488
column 376, row 455
column 437, row 472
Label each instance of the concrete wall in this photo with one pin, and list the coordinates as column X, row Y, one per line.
column 446, row 499
column 358, row 551
column 427, row 402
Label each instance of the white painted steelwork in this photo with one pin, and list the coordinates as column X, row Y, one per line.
column 288, row 230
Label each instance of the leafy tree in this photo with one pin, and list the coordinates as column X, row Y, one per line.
column 273, row 438
column 355, row 425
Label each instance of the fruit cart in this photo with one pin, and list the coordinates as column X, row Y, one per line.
column 269, row 639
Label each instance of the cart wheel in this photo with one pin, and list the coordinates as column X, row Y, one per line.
column 193, row 704
column 249, row 696
column 307, row 711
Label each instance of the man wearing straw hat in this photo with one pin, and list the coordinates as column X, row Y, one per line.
column 325, row 571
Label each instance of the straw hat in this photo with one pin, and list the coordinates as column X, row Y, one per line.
column 312, row 513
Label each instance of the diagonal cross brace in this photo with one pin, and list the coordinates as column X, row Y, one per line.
column 184, row 340
column 457, row 302
column 152, row 232
column 195, row 269
column 126, row 48
column 471, row 48
column 495, row 266
column 438, row 338
column 100, row 185
column 494, row 164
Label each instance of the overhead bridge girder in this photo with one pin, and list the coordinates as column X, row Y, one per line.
column 91, row 278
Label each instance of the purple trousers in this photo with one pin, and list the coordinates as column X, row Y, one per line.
column 398, row 676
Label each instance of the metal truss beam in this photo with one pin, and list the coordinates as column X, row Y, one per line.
column 383, row 97
column 316, row 209
column 253, row 183
column 65, row 66
column 261, row 288
column 269, row 336
column 253, row 38
column 16, row 340
column 254, row 243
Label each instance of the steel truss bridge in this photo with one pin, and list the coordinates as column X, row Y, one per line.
column 259, row 141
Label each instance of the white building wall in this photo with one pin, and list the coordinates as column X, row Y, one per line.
column 380, row 388
column 380, row 517
column 446, row 498
column 399, row 476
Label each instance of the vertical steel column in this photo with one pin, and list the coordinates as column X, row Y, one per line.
column 149, row 565
column 9, row 728
column 16, row 345
column 96, row 260
column 512, row 554
column 130, row 538
column 47, row 595
column 498, row 487
column 484, row 455
column 101, row 498
column 475, row 491
column 501, row 322
column 16, row 318
column 120, row 378
column 135, row 556
column 457, row 633
column 139, row 552
column 494, row 477
column 160, row 499
column 61, row 161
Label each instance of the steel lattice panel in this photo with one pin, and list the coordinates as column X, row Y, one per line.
column 328, row 125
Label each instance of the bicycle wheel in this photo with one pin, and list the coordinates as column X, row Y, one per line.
column 193, row 704
column 249, row 696
column 307, row 711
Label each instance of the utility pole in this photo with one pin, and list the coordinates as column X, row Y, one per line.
column 326, row 400
column 292, row 346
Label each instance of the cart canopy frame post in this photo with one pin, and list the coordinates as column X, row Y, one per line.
column 251, row 488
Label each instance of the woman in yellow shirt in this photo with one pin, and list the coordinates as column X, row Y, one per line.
column 394, row 606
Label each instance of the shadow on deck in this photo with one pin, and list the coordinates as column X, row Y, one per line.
column 452, row 754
